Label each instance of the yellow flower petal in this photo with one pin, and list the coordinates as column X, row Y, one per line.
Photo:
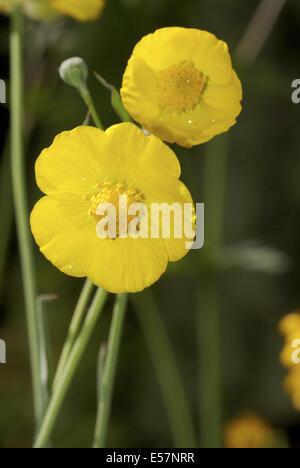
column 140, row 159
column 63, row 168
column 61, row 228
column 177, row 248
column 128, row 265
column 67, row 237
column 248, row 431
column 81, row 10
column 140, row 91
column 179, row 84
column 85, row 167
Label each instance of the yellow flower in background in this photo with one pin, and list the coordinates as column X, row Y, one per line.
column 289, row 326
column 292, row 386
column 248, row 431
column 87, row 167
column 180, row 85
column 81, row 10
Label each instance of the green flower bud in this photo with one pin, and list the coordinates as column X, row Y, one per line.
column 74, row 72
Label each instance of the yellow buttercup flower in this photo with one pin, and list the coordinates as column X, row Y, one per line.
column 290, row 347
column 289, row 324
column 292, row 386
column 81, row 10
column 180, row 85
column 86, row 168
column 248, row 431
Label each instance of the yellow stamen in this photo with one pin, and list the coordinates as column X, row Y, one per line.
column 181, row 86
column 117, row 194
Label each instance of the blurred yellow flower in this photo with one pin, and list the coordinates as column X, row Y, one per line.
column 87, row 167
column 81, row 10
column 290, row 350
column 289, row 323
column 292, row 386
column 248, row 431
column 180, row 85
column 289, row 326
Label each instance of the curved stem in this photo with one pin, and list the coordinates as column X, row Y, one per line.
column 74, row 328
column 109, row 371
column 75, row 356
column 20, row 200
column 165, row 364
column 86, row 95
column 6, row 208
column 210, row 368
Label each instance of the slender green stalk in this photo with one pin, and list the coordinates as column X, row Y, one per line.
column 159, row 344
column 215, row 170
column 109, row 371
column 258, row 31
column 100, row 369
column 79, row 312
column 210, row 368
column 91, row 106
column 6, row 208
column 46, row 360
column 20, row 199
column 76, row 322
column 165, row 364
column 75, row 356
column 116, row 101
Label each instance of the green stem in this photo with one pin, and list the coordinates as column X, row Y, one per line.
column 165, row 364
column 6, row 208
column 75, row 356
column 208, row 302
column 86, row 95
column 210, row 382
column 109, row 371
column 20, row 199
column 74, row 328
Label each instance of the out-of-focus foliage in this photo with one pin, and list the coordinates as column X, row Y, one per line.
column 263, row 203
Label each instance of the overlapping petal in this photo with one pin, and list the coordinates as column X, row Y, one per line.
column 71, row 170
column 219, row 105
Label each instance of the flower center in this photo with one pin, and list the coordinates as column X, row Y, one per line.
column 118, row 195
column 181, row 86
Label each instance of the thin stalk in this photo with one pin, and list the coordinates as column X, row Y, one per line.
column 86, row 95
column 79, row 312
column 73, row 361
column 208, row 311
column 76, row 322
column 165, row 365
column 100, row 369
column 109, row 371
column 6, row 208
column 259, row 29
column 257, row 33
column 20, row 200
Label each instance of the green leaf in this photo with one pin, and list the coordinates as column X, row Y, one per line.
column 115, row 99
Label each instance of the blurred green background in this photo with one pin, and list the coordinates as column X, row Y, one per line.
column 262, row 230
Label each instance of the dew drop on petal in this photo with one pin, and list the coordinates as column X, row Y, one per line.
column 70, row 267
